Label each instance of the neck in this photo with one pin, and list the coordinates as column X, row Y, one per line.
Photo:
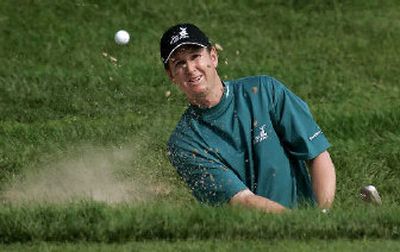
column 211, row 98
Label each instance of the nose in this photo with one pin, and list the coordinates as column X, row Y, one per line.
column 190, row 66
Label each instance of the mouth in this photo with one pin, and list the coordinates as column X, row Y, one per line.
column 195, row 80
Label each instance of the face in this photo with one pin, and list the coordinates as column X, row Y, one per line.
column 193, row 69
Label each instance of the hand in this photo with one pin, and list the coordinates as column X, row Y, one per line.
column 247, row 198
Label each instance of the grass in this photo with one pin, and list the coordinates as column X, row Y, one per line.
column 76, row 123
column 214, row 245
column 95, row 222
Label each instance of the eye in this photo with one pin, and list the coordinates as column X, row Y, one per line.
column 195, row 56
column 178, row 64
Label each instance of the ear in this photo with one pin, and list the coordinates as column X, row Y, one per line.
column 170, row 76
column 214, row 56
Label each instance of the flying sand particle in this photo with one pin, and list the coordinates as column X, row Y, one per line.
column 218, row 47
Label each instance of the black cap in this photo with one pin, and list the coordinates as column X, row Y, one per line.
column 178, row 35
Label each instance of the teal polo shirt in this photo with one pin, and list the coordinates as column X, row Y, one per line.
column 257, row 137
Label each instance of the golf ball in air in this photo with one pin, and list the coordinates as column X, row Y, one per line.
column 122, row 37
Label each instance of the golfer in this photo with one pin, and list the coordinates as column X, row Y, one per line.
column 250, row 141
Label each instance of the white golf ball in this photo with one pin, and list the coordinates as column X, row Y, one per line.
column 122, row 37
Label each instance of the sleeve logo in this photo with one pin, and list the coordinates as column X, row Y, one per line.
column 315, row 135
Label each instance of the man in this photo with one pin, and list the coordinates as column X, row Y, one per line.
column 243, row 142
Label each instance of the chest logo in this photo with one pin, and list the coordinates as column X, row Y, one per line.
column 261, row 134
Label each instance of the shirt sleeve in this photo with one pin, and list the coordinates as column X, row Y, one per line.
column 211, row 182
column 294, row 123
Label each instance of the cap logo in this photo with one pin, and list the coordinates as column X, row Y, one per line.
column 182, row 34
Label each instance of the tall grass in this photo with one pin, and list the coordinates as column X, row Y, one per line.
column 94, row 222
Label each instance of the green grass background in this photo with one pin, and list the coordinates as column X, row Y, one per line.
column 66, row 105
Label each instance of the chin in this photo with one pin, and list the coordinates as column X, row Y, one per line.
column 199, row 89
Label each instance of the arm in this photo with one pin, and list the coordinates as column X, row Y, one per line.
column 247, row 198
column 323, row 179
